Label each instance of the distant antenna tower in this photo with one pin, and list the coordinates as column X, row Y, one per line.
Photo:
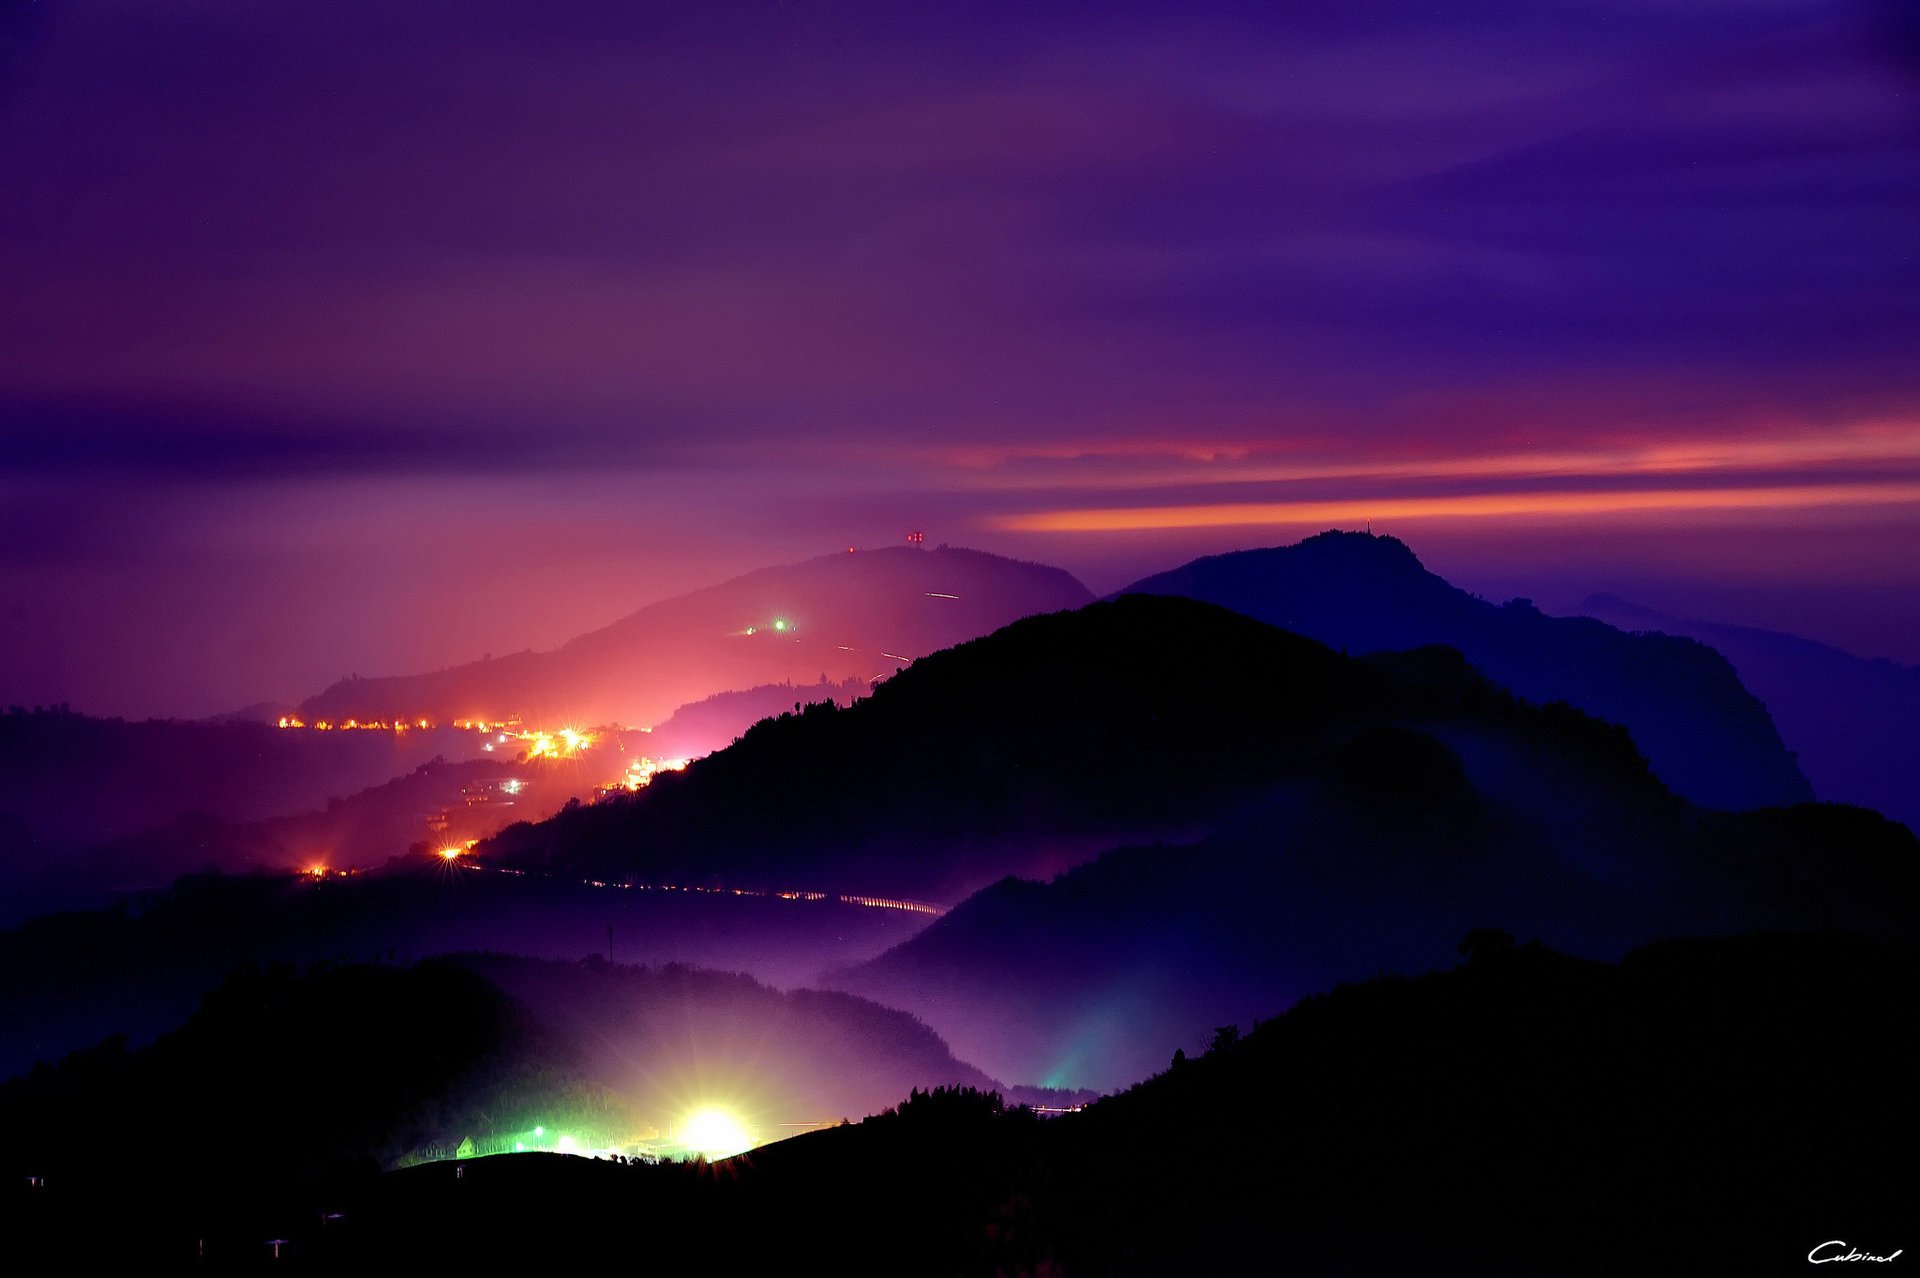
column 916, row 539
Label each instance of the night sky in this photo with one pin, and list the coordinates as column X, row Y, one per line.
column 370, row 335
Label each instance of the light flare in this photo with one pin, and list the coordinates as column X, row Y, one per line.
column 715, row 1133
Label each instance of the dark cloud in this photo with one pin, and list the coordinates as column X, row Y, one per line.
column 164, row 441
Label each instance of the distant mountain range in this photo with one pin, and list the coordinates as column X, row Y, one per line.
column 1039, row 746
column 1307, row 817
column 845, row 616
column 1705, row 735
column 1852, row 722
column 1379, row 859
column 68, row 782
column 1161, row 819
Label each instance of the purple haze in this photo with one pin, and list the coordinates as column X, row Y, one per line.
column 372, row 337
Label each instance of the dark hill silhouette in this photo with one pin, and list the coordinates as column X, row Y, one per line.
column 1683, row 1111
column 716, row 722
column 1700, row 1107
column 1852, row 722
column 139, row 967
column 657, row 1034
column 286, row 1085
column 1032, row 747
column 1377, row 858
column 1704, row 733
column 840, row 616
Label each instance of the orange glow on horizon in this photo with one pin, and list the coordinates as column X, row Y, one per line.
column 1125, row 464
column 1355, row 510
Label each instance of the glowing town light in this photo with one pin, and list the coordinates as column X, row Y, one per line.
column 567, row 1145
column 714, row 1133
column 511, row 787
column 572, row 738
column 449, row 854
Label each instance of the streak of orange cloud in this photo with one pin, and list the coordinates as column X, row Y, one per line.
column 1465, row 506
column 1889, row 443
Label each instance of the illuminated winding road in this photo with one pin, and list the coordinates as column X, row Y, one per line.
column 868, row 902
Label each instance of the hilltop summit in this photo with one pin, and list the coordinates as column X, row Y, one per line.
column 858, row 615
column 1703, row 732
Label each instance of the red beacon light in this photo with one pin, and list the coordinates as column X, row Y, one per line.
column 916, row 539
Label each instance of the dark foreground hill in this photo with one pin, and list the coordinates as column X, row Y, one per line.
column 838, row 617
column 1704, row 734
column 1852, row 723
column 1701, row 1107
column 286, row 1085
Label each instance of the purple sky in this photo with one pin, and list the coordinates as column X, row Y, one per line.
column 370, row 335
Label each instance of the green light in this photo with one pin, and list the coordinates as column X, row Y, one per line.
column 517, row 1147
column 780, row 624
column 539, row 1131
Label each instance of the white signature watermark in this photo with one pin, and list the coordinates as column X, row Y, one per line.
column 1816, row 1256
